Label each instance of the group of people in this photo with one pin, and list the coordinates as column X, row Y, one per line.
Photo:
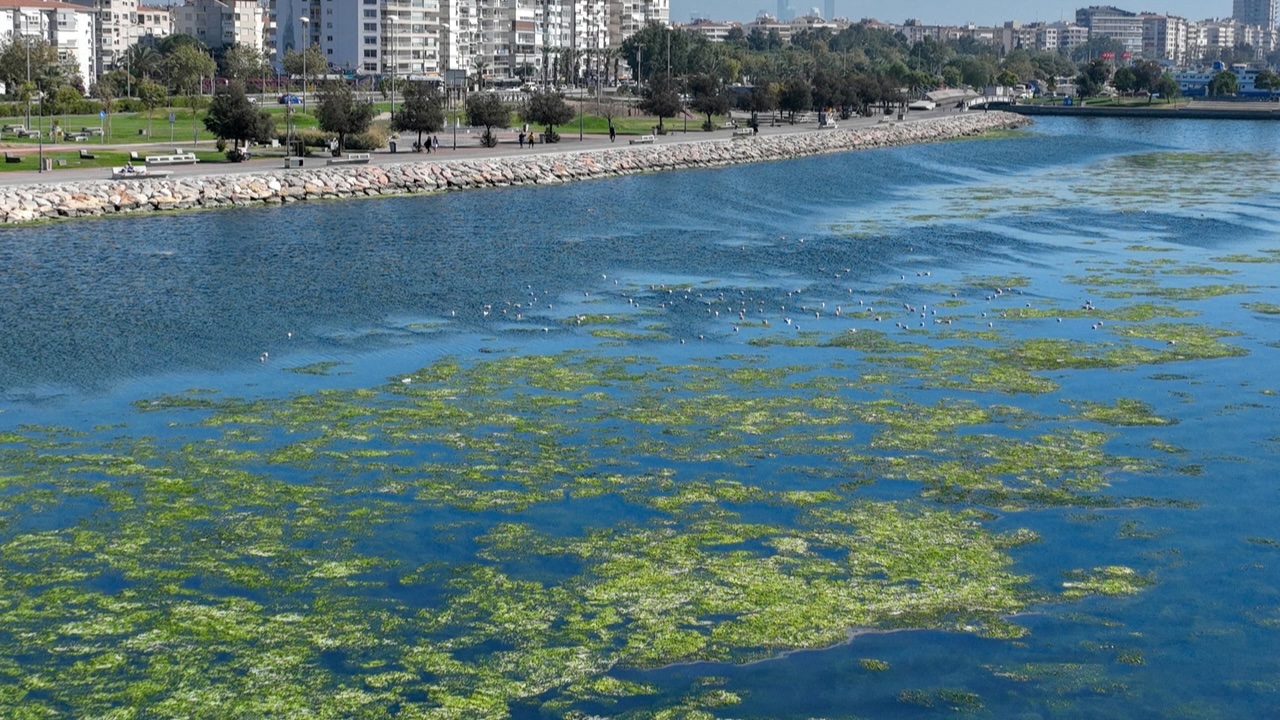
column 430, row 144
column 526, row 136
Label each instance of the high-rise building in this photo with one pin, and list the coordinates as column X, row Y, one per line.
column 829, row 10
column 221, row 23
column 1164, row 37
column 1120, row 25
column 120, row 25
column 1255, row 12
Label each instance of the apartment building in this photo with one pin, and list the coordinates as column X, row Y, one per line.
column 1261, row 13
column 121, row 24
column 628, row 17
column 222, row 23
column 1165, row 38
column 1120, row 25
column 1061, row 36
column 459, row 37
column 70, row 29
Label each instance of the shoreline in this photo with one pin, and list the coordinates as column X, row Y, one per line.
column 26, row 204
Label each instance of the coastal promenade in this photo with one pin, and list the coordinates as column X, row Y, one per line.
column 83, row 193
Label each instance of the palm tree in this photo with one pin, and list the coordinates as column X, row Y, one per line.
column 481, row 67
column 143, row 61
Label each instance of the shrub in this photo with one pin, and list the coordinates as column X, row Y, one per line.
column 553, row 136
column 371, row 139
column 489, row 139
column 221, row 144
column 309, row 137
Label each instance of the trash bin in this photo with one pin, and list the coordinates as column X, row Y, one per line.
column 48, row 164
column 392, row 145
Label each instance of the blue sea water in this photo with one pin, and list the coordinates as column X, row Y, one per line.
column 100, row 314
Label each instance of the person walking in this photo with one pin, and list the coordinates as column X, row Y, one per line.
column 613, row 133
column 521, row 139
column 435, row 142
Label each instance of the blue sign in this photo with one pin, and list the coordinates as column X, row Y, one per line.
column 102, row 114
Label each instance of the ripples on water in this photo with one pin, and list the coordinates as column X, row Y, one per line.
column 99, row 313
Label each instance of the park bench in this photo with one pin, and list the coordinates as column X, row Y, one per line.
column 352, row 159
column 27, row 133
column 176, row 159
column 730, row 125
column 91, row 130
column 827, row 126
column 643, row 140
column 293, row 161
column 127, row 173
column 743, row 132
column 13, row 128
column 86, row 155
column 134, row 156
column 11, row 158
column 78, row 137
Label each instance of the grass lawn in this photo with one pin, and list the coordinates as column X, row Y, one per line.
column 106, row 159
column 125, row 127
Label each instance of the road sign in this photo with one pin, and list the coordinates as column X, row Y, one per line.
column 173, row 118
column 102, row 114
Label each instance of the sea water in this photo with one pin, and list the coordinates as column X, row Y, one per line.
column 599, row 448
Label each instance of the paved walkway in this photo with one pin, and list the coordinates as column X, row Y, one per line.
column 468, row 148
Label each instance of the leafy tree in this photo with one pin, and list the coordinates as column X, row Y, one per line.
column 307, row 64
column 736, row 35
column 488, row 111
column 661, row 98
column 151, row 94
column 1267, row 80
column 1168, row 87
column 951, row 76
column 186, row 67
column 1096, row 47
column 1224, row 82
column 709, row 97
column 338, row 110
column 232, row 117
column 171, row 43
column 422, row 110
column 66, row 100
column 1006, row 79
column 242, row 62
column 547, row 108
column 14, row 68
column 1125, row 81
column 1148, row 74
column 796, row 97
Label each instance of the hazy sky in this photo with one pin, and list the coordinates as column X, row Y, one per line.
column 984, row 12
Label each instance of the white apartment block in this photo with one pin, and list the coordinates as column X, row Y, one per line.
column 1164, row 38
column 628, row 17
column 1121, row 25
column 121, row 24
column 1061, row 36
column 70, row 29
column 221, row 23
column 1261, row 13
column 410, row 40
column 459, row 36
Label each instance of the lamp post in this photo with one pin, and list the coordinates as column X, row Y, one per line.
column 306, row 37
column 27, row 42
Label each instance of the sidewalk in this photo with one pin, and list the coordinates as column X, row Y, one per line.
column 468, row 147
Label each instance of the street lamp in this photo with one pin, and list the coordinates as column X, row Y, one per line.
column 306, row 38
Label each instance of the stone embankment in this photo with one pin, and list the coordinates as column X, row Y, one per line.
column 23, row 204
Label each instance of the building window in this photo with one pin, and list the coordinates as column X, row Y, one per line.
column 371, row 13
column 371, row 53
column 371, row 67
column 371, row 27
column 370, row 40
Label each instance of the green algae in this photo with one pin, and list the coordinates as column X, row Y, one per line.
column 1263, row 308
column 873, row 665
column 1124, row 412
column 1111, row 581
column 324, row 367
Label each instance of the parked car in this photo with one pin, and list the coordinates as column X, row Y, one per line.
column 290, row 100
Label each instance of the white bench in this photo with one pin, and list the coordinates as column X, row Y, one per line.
column 827, row 126
column 181, row 159
column 352, row 159
column 643, row 140
column 126, row 173
column 729, row 125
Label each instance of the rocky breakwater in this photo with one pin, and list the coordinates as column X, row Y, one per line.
column 32, row 203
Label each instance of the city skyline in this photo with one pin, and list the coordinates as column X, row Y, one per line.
column 948, row 12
